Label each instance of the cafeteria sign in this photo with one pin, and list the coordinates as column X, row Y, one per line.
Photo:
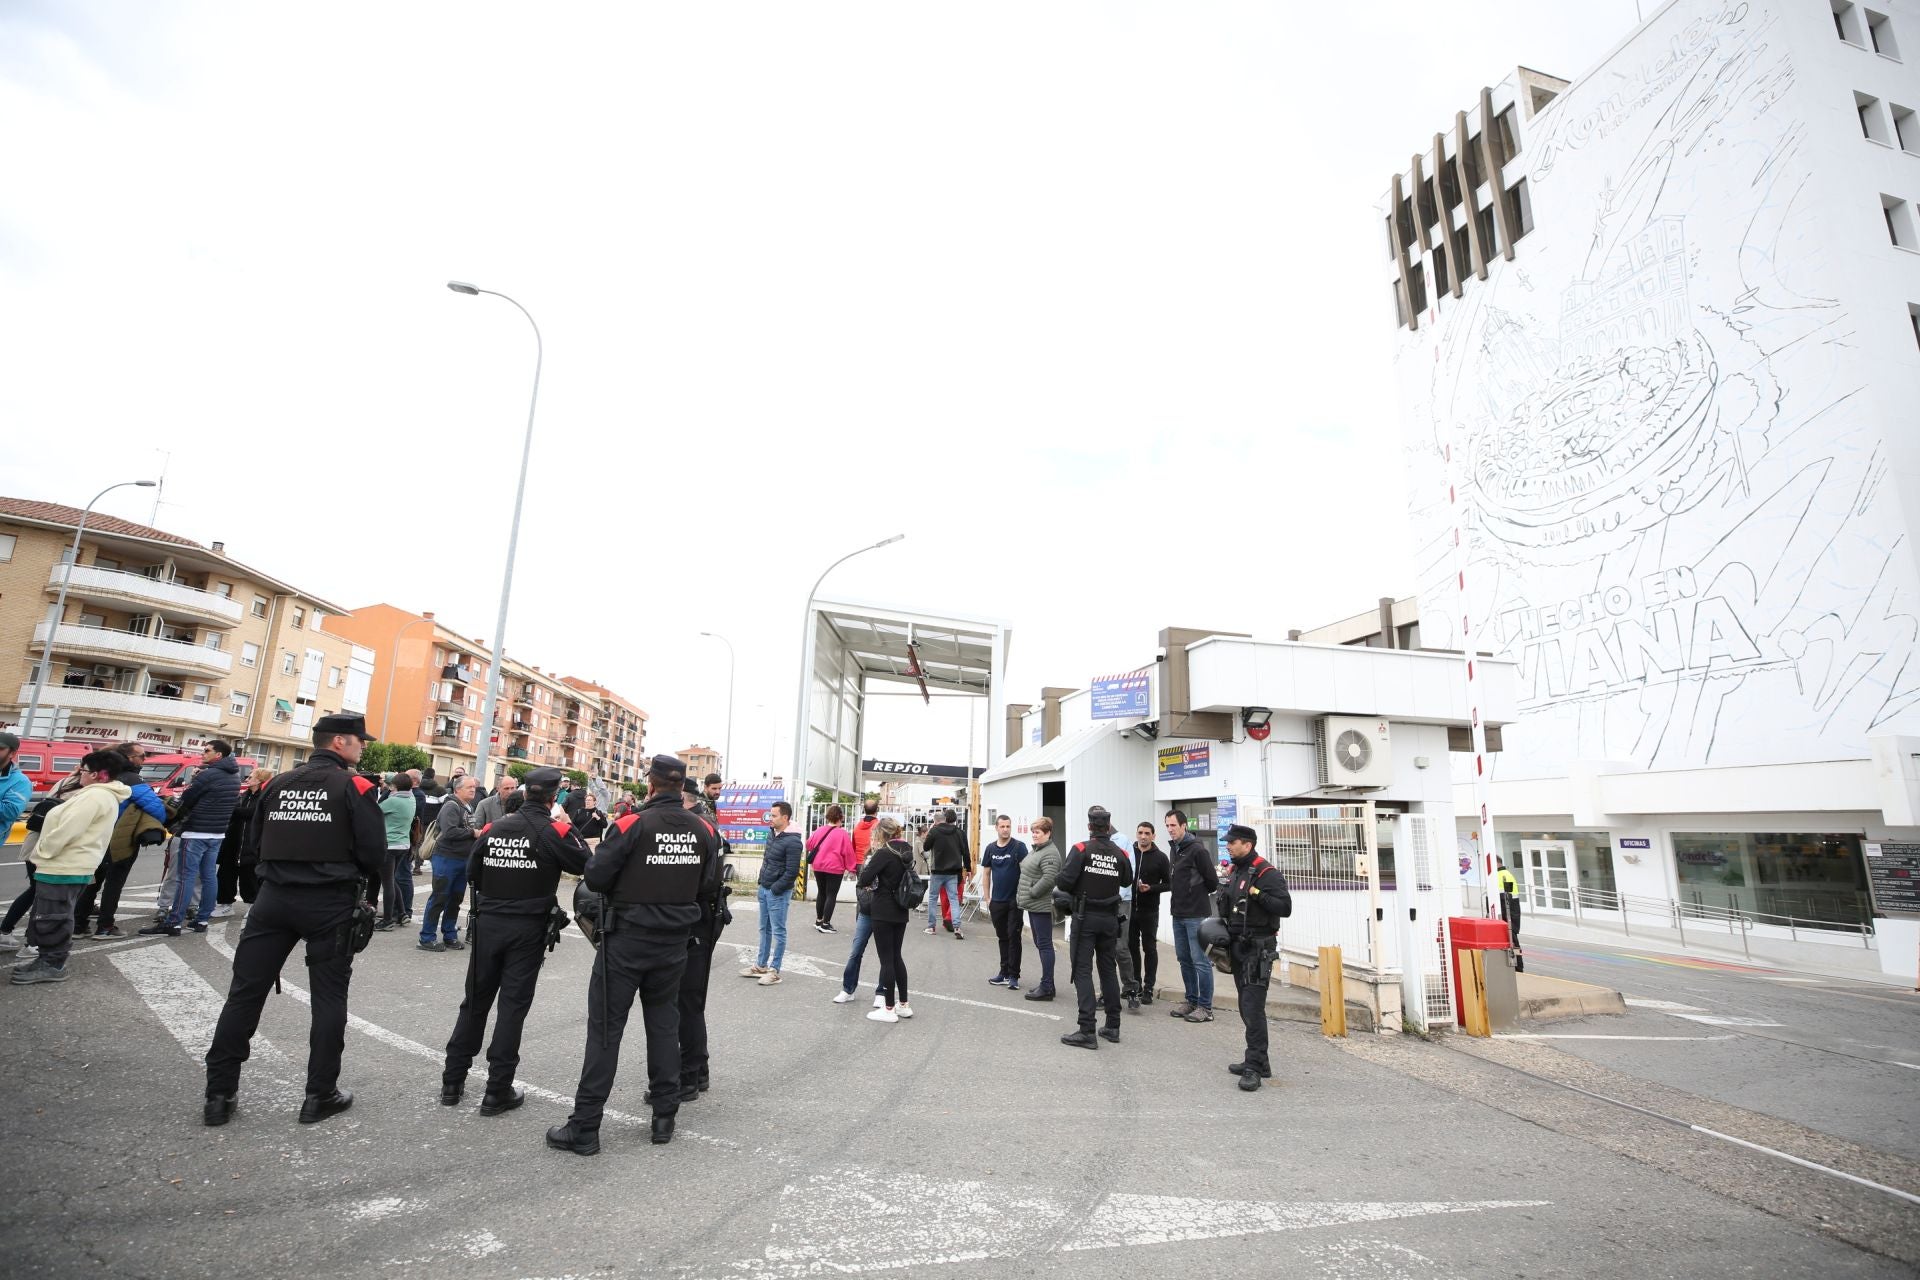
column 1186, row 761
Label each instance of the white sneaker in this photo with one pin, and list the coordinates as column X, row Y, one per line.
column 842, row 997
column 879, row 1002
column 754, row 971
column 883, row 1014
column 903, row 1010
column 8, row 942
column 771, row 978
column 221, row 911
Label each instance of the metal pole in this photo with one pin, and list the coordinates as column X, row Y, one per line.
column 386, row 707
column 60, row 607
column 1373, row 893
column 513, row 542
column 728, row 744
column 799, row 781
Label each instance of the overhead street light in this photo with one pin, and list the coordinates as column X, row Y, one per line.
column 806, row 669
column 513, row 539
column 60, row 604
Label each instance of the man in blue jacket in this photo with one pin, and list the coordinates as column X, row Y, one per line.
column 201, row 819
column 16, row 791
column 779, row 868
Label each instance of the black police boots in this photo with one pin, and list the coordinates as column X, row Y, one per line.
column 494, row 1104
column 582, row 1142
column 319, row 1106
column 1250, row 1081
column 450, row 1094
column 1080, row 1040
column 219, row 1109
column 1040, row 993
column 1110, row 1034
column 662, row 1130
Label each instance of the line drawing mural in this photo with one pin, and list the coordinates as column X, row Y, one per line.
column 1680, row 527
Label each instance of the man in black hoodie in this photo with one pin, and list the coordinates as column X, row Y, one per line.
column 1095, row 871
column 201, row 821
column 1194, row 876
column 1152, row 876
column 949, row 866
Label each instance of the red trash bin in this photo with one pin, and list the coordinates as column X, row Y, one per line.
column 1471, row 933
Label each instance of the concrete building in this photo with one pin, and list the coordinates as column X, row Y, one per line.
column 618, row 734
column 434, row 687
column 700, row 761
column 577, row 710
column 536, row 725
column 1658, row 348
column 165, row 641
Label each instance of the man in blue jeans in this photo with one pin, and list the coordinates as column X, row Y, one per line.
column 201, row 819
column 454, row 822
column 949, row 865
column 779, row 868
column 1195, row 876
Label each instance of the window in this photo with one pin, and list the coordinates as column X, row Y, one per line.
column 1813, row 877
column 1520, row 209
column 203, row 694
column 1873, row 121
column 1880, row 34
column 1913, row 315
column 299, row 619
column 259, row 606
column 1472, row 160
column 1441, row 282
column 249, row 654
column 1506, row 145
column 439, row 657
column 1417, row 288
column 7, row 541
column 286, row 664
column 1906, row 131
column 1489, row 232
column 466, row 733
column 333, row 677
column 237, row 703
column 216, row 639
column 224, row 589
column 1900, row 228
column 1846, row 23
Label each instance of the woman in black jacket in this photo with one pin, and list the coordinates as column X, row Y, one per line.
column 882, row 872
column 590, row 822
column 229, row 863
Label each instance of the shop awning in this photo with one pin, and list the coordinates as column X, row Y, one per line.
column 283, row 706
column 1053, row 757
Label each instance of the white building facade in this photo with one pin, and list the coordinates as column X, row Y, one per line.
column 1658, row 350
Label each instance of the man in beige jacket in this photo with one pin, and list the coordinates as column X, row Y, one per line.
column 72, row 843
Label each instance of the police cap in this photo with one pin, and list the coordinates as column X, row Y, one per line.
column 1239, row 832
column 342, row 723
column 1098, row 819
column 667, row 769
column 545, row 779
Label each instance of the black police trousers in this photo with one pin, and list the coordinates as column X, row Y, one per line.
column 1096, row 940
column 504, row 955
column 632, row 962
column 1252, row 971
column 282, row 917
column 692, row 1000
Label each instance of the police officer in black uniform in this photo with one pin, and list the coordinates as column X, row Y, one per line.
column 649, row 867
column 1094, row 871
column 318, row 841
column 714, row 917
column 514, row 873
column 1253, row 900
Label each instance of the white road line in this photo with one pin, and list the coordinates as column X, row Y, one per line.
column 1778, row 977
column 1719, row 1020
column 186, row 1003
column 1911, row 1066
column 1515, row 1035
column 811, row 964
column 1664, row 1006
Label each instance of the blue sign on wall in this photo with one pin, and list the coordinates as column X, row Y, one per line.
column 743, row 815
column 1121, row 697
column 1185, row 760
column 1226, row 812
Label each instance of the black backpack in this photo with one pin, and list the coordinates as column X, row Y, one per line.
column 912, row 890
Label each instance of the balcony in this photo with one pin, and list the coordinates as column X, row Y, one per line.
column 457, row 673
column 168, row 599
column 451, row 707
column 523, row 697
column 125, row 704
column 516, row 753
column 447, row 740
column 129, row 649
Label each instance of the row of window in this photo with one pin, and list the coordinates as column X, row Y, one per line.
column 1520, row 217
column 1865, row 28
column 1887, row 123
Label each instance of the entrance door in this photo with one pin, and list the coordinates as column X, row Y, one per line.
column 1547, row 868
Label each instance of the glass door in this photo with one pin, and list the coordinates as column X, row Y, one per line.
column 1547, row 868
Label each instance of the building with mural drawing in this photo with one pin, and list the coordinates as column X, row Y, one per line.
column 1659, row 330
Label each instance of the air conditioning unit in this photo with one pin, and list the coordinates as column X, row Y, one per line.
column 1353, row 751
column 104, row 668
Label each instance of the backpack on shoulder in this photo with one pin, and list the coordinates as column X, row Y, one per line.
column 913, row 888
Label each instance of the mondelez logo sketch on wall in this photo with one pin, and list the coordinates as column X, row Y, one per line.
column 1677, row 510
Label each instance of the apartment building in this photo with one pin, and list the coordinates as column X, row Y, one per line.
column 434, row 687
column 163, row 640
column 616, row 748
column 537, row 726
column 700, row 761
column 1658, row 347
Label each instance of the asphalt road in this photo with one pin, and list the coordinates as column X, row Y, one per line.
column 967, row 1142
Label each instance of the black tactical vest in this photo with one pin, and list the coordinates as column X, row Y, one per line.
column 307, row 815
column 1100, row 878
column 672, row 847
column 512, row 864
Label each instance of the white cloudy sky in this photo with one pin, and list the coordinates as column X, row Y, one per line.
column 1086, row 298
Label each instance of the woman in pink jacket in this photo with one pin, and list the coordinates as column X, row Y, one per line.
column 830, row 854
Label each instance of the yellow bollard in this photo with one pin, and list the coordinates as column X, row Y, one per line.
column 1473, row 992
column 1333, row 993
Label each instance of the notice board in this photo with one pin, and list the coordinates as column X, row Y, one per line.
column 1893, row 876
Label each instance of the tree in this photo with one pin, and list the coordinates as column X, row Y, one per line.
column 390, row 757
column 578, row 777
column 519, row 769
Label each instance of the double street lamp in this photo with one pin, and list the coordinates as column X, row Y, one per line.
column 60, row 605
column 513, row 540
column 800, row 732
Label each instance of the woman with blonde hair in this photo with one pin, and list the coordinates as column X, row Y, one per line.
column 884, row 869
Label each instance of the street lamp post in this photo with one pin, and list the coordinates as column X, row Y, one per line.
column 806, row 669
column 60, row 604
column 513, row 540
column 386, row 707
column 728, row 744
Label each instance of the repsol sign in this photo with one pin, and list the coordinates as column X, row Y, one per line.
column 913, row 769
